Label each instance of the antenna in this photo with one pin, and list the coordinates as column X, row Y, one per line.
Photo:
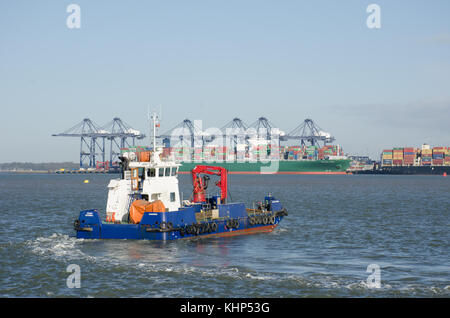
column 149, row 118
column 154, row 123
column 154, row 131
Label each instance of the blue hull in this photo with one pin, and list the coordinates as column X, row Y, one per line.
column 233, row 219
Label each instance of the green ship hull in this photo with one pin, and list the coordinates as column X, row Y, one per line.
column 338, row 166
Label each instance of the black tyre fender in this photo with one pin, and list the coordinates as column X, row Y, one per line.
column 272, row 219
column 260, row 219
column 163, row 225
column 166, row 226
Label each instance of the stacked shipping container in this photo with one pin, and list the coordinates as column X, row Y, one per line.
column 447, row 156
column 241, row 152
column 330, row 150
column 397, row 157
column 386, row 157
column 295, row 152
column 425, row 156
column 438, row 156
column 409, row 156
column 312, row 152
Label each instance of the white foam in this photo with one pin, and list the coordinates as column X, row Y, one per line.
column 363, row 285
column 58, row 246
column 258, row 277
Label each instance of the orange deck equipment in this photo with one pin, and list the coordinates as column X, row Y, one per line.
column 139, row 207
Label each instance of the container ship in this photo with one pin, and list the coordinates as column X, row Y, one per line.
column 425, row 160
column 260, row 159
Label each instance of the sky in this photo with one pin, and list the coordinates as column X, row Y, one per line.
column 371, row 88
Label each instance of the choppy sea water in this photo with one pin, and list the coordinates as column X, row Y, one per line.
column 337, row 227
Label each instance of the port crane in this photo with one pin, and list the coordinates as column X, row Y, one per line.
column 264, row 129
column 118, row 132
column 310, row 132
column 235, row 133
column 187, row 133
column 89, row 134
column 93, row 139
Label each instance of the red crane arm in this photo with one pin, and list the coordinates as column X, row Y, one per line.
column 199, row 189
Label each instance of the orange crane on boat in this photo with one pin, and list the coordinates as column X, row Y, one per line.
column 201, row 184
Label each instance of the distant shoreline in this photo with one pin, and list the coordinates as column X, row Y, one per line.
column 37, row 167
column 26, row 171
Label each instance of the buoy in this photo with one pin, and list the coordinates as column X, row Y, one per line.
column 445, row 174
column 86, row 181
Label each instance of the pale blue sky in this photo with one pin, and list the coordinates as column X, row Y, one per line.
column 215, row 60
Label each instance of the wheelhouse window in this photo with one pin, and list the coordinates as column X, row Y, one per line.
column 151, row 172
column 161, row 172
column 167, row 174
column 174, row 171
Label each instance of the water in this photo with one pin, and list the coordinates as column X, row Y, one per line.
column 337, row 226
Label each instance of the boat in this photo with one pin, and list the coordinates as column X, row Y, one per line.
column 408, row 170
column 259, row 159
column 144, row 203
column 312, row 167
column 424, row 160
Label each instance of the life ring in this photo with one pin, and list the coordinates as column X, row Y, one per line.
column 214, row 226
column 265, row 220
column 182, row 231
column 251, row 220
column 236, row 224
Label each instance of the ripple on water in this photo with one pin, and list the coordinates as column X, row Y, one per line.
column 336, row 227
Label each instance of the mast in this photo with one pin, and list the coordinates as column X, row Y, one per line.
column 154, row 132
column 154, row 123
